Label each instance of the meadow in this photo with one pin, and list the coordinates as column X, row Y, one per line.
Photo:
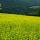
column 19, row 27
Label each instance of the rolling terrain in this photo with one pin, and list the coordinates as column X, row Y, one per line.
column 19, row 27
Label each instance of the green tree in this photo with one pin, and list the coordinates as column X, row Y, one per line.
column 38, row 11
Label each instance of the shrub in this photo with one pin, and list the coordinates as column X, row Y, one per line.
column 36, row 11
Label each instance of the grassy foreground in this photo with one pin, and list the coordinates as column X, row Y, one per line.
column 19, row 27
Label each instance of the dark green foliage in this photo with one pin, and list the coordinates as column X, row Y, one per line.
column 22, row 10
column 36, row 11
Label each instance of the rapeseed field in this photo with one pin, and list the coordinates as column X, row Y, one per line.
column 19, row 27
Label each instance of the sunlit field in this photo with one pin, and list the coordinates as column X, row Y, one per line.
column 19, row 27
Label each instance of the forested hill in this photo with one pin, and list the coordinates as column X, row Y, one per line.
column 36, row 2
column 26, row 0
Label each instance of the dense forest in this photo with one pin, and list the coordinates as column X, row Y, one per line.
column 16, row 5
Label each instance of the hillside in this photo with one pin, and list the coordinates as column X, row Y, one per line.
column 19, row 27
